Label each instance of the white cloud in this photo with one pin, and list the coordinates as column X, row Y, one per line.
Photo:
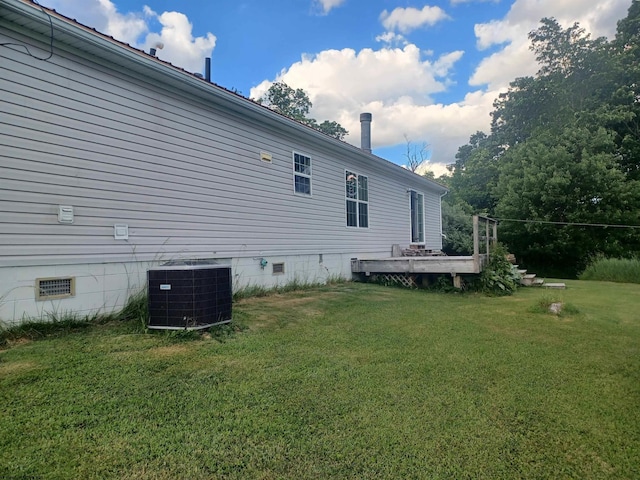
column 515, row 59
column 407, row 19
column 350, row 78
column 181, row 48
column 391, row 38
column 438, row 169
column 328, row 5
column 396, row 86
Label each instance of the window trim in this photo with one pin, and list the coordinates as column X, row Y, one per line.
column 302, row 175
column 356, row 200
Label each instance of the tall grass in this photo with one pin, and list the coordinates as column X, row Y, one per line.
column 621, row 270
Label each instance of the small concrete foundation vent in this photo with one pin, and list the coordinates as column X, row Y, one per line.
column 50, row 288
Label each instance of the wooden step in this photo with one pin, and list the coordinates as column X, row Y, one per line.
column 538, row 282
column 527, row 280
column 558, row 285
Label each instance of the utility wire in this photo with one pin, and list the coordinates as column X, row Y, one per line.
column 8, row 44
column 575, row 224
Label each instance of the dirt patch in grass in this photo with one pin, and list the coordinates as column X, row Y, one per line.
column 15, row 342
column 16, row 367
column 287, row 300
column 170, row 350
column 280, row 310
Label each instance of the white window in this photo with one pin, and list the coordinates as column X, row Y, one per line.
column 301, row 174
column 357, row 197
column 417, row 217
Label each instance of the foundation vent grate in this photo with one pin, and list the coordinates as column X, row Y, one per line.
column 49, row 288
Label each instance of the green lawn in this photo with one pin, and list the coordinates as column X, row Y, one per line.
column 349, row 381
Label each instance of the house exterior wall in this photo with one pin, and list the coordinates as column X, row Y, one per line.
column 184, row 174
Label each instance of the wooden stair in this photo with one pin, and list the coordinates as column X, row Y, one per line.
column 531, row 280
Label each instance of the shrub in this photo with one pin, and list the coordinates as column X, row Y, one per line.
column 499, row 276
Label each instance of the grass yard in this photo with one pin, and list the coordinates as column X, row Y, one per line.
column 349, row 381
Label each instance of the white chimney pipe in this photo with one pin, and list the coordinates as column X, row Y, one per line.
column 365, row 132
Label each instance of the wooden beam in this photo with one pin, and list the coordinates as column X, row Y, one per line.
column 476, row 244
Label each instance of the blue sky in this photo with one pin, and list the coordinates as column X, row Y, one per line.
column 428, row 71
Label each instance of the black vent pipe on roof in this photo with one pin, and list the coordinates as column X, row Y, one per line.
column 207, row 69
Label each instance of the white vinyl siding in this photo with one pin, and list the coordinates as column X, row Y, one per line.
column 181, row 171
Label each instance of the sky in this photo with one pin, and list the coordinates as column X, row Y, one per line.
column 429, row 72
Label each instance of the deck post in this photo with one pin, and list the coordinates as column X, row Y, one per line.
column 476, row 244
column 488, row 239
column 495, row 233
column 457, row 281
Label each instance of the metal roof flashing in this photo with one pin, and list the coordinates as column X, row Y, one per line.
column 69, row 32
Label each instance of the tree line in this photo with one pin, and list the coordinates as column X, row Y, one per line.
column 563, row 152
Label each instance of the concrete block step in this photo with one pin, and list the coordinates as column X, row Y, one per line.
column 538, row 282
column 522, row 272
column 527, row 280
column 558, row 285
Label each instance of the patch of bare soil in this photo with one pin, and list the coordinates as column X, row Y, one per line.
column 13, row 368
column 170, row 350
column 286, row 300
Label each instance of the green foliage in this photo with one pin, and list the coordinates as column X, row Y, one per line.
column 296, row 104
column 285, row 100
column 136, row 310
column 475, row 173
column 622, row 270
column 564, row 147
column 570, row 176
column 457, row 225
column 331, row 128
column 51, row 323
column 499, row 276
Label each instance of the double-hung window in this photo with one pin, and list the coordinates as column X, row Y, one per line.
column 301, row 174
column 357, row 198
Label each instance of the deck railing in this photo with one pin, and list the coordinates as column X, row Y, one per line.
column 485, row 236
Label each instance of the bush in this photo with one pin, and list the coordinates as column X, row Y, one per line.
column 622, row 270
column 499, row 276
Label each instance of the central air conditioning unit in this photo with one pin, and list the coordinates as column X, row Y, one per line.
column 189, row 295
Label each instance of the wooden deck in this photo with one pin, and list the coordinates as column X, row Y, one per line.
column 437, row 264
column 453, row 265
